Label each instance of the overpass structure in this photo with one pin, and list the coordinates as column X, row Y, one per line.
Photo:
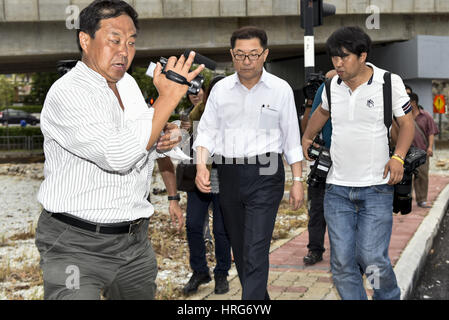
column 34, row 34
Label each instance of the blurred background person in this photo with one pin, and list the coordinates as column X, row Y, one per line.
column 315, row 194
column 197, row 219
column 425, row 131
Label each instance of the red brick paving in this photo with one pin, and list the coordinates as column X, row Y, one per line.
column 290, row 255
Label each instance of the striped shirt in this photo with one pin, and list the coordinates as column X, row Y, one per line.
column 96, row 167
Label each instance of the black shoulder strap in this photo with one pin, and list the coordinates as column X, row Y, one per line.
column 328, row 92
column 388, row 113
column 388, row 101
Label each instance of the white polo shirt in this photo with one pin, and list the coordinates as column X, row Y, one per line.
column 359, row 149
column 238, row 122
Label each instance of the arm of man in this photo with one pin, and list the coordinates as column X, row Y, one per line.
column 202, row 179
column 430, row 148
column 205, row 141
column 170, row 93
column 306, row 116
column 433, row 130
column 405, row 139
column 291, row 145
column 402, row 111
column 314, row 126
column 297, row 190
column 167, row 170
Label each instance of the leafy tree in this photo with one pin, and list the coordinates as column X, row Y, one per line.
column 6, row 92
column 42, row 81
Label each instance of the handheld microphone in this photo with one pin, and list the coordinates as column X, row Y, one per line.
column 199, row 59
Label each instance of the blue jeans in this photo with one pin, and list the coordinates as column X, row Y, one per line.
column 359, row 221
column 197, row 209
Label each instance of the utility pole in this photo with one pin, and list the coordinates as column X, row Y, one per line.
column 309, row 38
column 312, row 14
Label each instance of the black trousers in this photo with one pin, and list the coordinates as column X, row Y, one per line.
column 250, row 200
column 317, row 223
column 197, row 210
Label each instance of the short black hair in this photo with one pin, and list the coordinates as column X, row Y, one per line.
column 352, row 38
column 212, row 83
column 408, row 87
column 250, row 32
column 414, row 97
column 91, row 16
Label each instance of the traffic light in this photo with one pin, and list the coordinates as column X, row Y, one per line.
column 320, row 10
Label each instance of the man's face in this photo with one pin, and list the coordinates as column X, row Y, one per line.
column 249, row 69
column 350, row 65
column 195, row 99
column 112, row 50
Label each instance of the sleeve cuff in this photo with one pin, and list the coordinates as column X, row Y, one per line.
column 202, row 141
column 294, row 155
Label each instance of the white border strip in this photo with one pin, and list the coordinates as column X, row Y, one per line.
column 410, row 263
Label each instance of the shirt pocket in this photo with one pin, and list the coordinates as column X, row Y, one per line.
column 269, row 118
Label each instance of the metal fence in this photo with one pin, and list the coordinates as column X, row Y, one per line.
column 29, row 143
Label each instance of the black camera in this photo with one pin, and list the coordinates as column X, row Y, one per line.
column 323, row 162
column 314, row 81
column 402, row 199
column 64, row 66
column 195, row 84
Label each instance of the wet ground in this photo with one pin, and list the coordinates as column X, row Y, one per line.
column 433, row 283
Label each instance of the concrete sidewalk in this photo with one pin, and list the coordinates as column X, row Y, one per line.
column 290, row 279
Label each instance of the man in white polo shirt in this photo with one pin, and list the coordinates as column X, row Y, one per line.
column 358, row 203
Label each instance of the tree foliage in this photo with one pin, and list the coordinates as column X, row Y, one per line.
column 42, row 81
column 6, row 92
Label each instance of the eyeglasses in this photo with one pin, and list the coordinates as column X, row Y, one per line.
column 251, row 56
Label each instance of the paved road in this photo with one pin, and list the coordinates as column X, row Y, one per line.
column 433, row 283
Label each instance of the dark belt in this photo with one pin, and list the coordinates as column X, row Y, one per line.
column 122, row 227
column 251, row 160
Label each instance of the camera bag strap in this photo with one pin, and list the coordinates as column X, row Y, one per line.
column 388, row 105
column 328, row 93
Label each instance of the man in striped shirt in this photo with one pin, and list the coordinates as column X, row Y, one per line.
column 100, row 146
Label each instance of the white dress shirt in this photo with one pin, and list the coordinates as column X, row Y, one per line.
column 359, row 148
column 238, row 122
column 96, row 163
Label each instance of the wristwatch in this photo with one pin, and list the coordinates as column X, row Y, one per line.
column 300, row 179
column 177, row 197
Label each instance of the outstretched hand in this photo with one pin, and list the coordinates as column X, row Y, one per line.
column 181, row 66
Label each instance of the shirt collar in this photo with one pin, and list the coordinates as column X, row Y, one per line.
column 376, row 76
column 92, row 75
column 265, row 79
